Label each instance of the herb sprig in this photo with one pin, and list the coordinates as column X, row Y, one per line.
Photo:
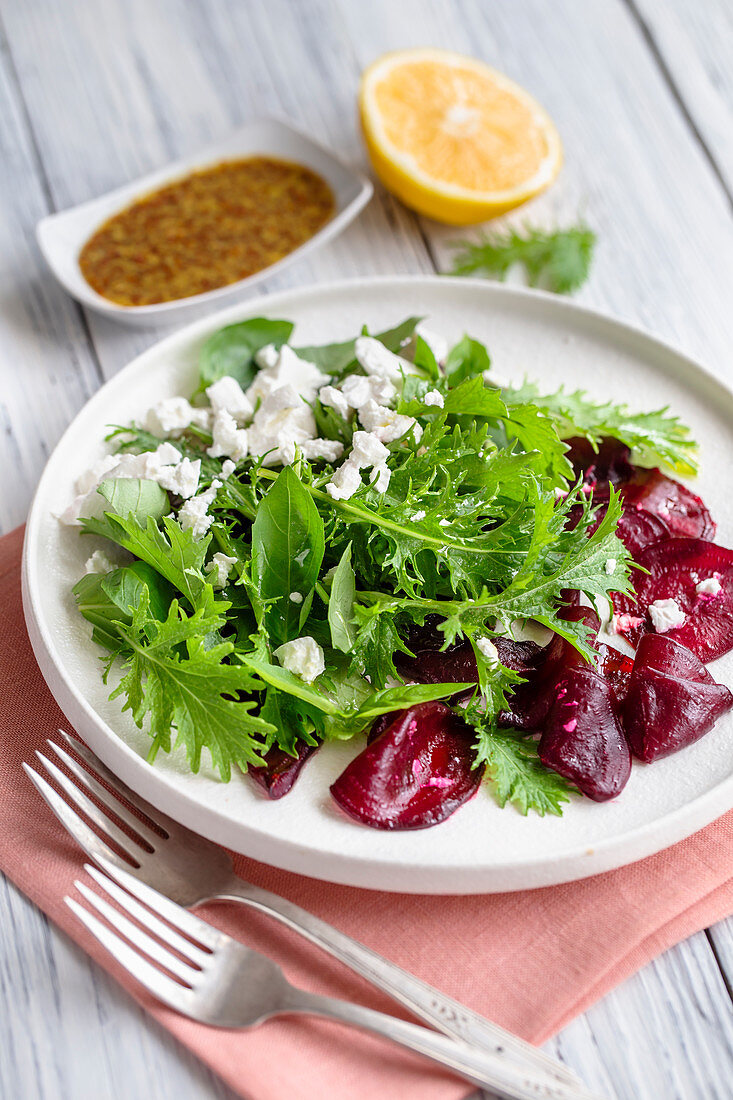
column 559, row 260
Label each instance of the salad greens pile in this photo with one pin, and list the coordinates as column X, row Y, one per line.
column 471, row 531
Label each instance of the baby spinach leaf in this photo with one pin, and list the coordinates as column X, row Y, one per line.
column 288, row 543
column 135, row 497
column 341, row 604
column 337, row 359
column 231, row 350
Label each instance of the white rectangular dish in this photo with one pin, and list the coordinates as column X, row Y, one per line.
column 62, row 236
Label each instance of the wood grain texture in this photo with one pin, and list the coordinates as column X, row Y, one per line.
column 97, row 92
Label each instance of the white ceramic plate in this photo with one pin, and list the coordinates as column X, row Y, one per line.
column 481, row 848
column 62, row 236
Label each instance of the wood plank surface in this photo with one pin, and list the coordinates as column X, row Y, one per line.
column 93, row 94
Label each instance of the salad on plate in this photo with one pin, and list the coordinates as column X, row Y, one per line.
column 380, row 540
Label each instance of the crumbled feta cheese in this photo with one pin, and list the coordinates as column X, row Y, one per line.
column 98, row 563
column 367, row 450
column 380, row 476
column 282, row 420
column 376, row 359
column 227, row 469
column 296, row 597
column 182, row 479
column 160, row 465
column 434, row 397
column 334, row 398
column 418, row 516
column 226, row 395
column 330, row 449
column 488, row 650
column 623, row 623
column 437, row 343
column 444, row 523
column 220, row 566
column 610, row 566
column 267, row 357
column 359, row 388
column 202, row 418
column 90, row 479
column 386, row 424
column 287, row 369
column 227, row 438
column 194, row 514
column 711, row 586
column 172, row 414
column 345, row 481
column 303, row 657
column 666, row 615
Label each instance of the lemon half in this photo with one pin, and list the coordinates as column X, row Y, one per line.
column 454, row 138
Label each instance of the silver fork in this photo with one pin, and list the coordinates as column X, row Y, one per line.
column 190, row 870
column 220, row 982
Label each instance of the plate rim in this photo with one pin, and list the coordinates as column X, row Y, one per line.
column 606, row 854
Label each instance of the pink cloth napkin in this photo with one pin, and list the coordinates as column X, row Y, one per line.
column 531, row 961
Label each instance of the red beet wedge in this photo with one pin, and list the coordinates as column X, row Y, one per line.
column 672, row 699
column 677, row 569
column 280, row 770
column 608, row 465
column 682, row 510
column 582, row 738
column 414, row 775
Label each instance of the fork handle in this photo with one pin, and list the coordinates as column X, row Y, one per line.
column 423, row 1000
column 484, row 1069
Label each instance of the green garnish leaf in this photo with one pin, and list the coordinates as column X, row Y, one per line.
column 287, row 551
column 559, row 261
column 341, row 604
column 231, row 350
column 129, row 496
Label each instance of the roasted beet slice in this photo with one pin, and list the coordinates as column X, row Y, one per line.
column 672, row 699
column 530, row 702
column 582, row 738
column 280, row 770
column 456, row 665
column 615, row 667
column 682, row 510
column 677, row 568
column 414, row 775
column 608, row 465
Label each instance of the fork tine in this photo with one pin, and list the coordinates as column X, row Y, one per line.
column 82, row 750
column 137, row 937
column 78, row 829
column 104, row 796
column 157, row 983
column 91, row 809
column 144, row 916
column 177, row 916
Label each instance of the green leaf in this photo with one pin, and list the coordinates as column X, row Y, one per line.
column 174, row 683
column 516, row 774
column 341, row 604
column 424, row 359
column 293, row 721
column 172, row 552
column 655, row 437
column 287, row 551
column 467, row 359
column 560, row 261
column 134, row 497
column 472, row 397
column 231, row 350
column 338, row 359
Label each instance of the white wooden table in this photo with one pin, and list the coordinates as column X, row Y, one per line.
column 96, row 92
